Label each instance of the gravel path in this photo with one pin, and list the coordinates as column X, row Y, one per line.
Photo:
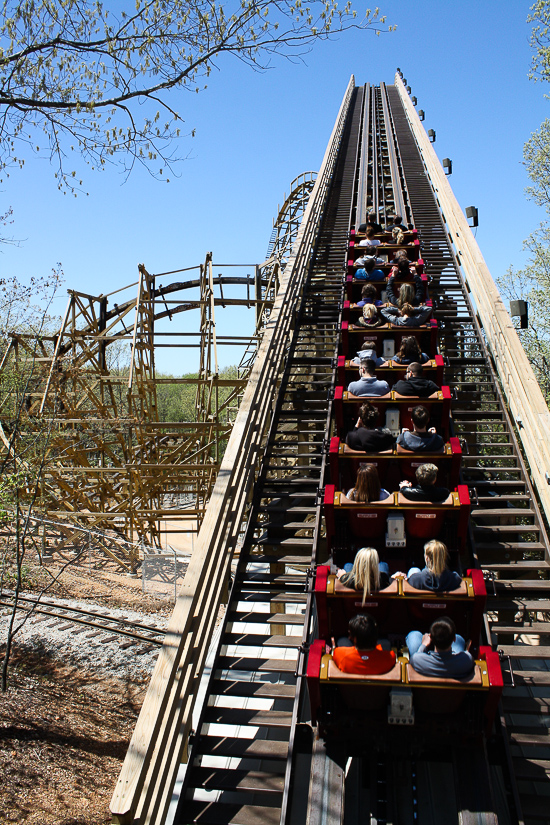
column 80, row 646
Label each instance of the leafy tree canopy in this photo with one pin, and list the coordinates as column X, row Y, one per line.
column 532, row 283
column 540, row 40
column 74, row 71
column 26, row 307
column 536, row 155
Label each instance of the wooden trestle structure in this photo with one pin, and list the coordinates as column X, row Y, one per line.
column 111, row 465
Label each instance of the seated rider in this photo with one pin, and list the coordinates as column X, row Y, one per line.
column 408, row 293
column 415, row 384
column 369, row 239
column 420, row 439
column 366, row 435
column 407, row 316
column 441, row 652
column 369, row 272
column 369, row 295
column 436, row 576
column 367, row 487
column 364, row 259
column 370, row 317
column 368, row 383
column 361, row 653
column 397, row 223
column 367, row 573
column 368, row 350
column 371, row 221
column 410, row 351
column 425, row 489
column 402, row 268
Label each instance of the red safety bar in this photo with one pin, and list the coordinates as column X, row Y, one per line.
column 320, row 589
column 496, row 684
column 313, row 674
column 480, row 600
column 412, row 250
column 346, row 409
column 354, row 285
column 328, row 502
column 426, row 336
column 346, row 371
column 399, row 613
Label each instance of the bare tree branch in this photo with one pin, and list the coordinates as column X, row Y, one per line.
column 75, row 70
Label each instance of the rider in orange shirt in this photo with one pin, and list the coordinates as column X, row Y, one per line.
column 362, row 654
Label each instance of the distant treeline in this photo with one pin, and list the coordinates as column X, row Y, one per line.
column 177, row 402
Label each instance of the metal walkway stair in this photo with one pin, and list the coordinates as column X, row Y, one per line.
column 242, row 754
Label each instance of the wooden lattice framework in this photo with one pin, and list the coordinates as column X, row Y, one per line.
column 111, row 463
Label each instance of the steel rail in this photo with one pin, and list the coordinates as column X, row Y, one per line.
column 374, row 139
column 385, row 185
column 353, row 160
column 397, row 182
column 362, row 186
column 381, row 154
column 385, row 181
column 77, row 616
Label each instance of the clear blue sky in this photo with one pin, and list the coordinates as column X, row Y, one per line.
column 466, row 62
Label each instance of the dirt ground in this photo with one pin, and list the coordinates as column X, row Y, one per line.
column 64, row 732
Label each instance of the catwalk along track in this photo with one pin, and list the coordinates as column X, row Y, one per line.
column 252, row 754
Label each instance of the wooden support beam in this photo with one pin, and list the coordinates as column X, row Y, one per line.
column 55, row 354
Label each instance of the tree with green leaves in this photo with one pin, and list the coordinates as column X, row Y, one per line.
column 96, row 80
column 23, row 449
column 532, row 283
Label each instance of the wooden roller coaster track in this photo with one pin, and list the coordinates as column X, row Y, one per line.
column 232, row 742
column 251, row 757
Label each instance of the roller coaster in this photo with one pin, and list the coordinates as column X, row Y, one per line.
column 227, row 736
